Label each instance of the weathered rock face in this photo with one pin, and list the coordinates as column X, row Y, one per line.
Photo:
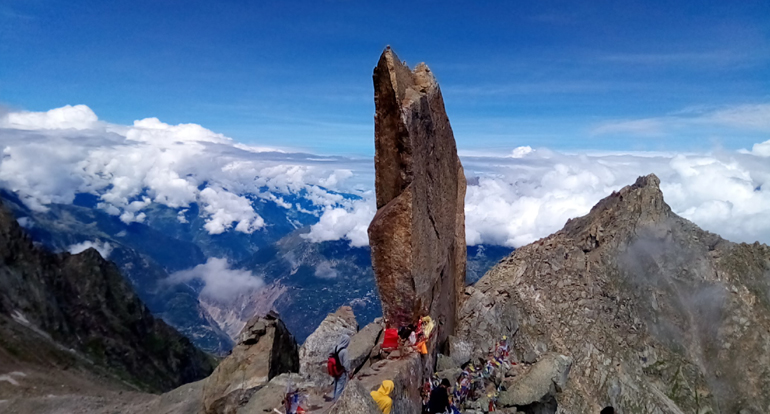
column 540, row 384
column 355, row 400
column 361, row 345
column 418, row 234
column 272, row 394
column 406, row 372
column 265, row 349
column 315, row 351
column 658, row 315
column 82, row 302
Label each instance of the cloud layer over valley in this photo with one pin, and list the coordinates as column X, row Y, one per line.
column 220, row 281
column 49, row 157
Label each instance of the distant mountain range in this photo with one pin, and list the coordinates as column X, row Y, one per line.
column 271, row 268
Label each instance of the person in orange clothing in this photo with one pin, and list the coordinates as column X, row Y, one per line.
column 382, row 396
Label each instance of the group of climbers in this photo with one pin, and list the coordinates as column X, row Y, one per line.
column 474, row 379
column 438, row 396
column 415, row 335
column 470, row 385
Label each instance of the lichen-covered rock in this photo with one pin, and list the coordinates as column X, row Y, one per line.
column 271, row 395
column 266, row 350
column 545, row 379
column 444, row 362
column 418, row 233
column 315, row 351
column 406, row 372
column 355, row 400
column 657, row 314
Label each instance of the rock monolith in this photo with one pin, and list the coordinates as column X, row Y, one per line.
column 418, row 234
column 265, row 350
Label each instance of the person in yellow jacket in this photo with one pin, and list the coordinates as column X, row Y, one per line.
column 382, row 396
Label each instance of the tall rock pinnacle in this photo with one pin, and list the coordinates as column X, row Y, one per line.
column 418, row 234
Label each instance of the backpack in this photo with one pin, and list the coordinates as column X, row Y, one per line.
column 334, row 365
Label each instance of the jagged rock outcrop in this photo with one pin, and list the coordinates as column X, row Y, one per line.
column 407, row 373
column 82, row 302
column 658, row 315
column 271, row 396
column 355, row 400
column 418, row 234
column 265, row 350
column 362, row 343
column 540, row 384
column 315, row 351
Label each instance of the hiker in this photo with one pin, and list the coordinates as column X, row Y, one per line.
column 338, row 366
column 439, row 398
column 382, row 396
column 608, row 410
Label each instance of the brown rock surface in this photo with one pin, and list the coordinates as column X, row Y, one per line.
column 265, row 350
column 418, row 234
column 658, row 315
column 406, row 373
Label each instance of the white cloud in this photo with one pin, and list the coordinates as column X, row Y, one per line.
column 220, row 281
column 761, row 149
column 225, row 208
column 349, row 222
column 520, row 152
column 742, row 116
column 325, row 270
column 49, row 157
column 515, row 201
column 512, row 199
column 755, row 117
column 104, row 248
column 652, row 127
column 66, row 117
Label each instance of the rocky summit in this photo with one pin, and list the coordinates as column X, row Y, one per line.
column 417, row 236
column 658, row 315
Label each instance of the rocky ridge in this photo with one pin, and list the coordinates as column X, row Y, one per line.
column 658, row 315
column 81, row 302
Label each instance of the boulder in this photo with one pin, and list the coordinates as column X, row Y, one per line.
column 490, row 321
column 362, row 343
column 460, row 350
column 451, row 374
column 265, row 350
column 444, row 362
column 406, row 372
column 417, row 236
column 315, row 351
column 271, row 395
column 540, row 384
column 355, row 400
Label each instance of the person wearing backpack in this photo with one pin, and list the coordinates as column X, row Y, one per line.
column 338, row 366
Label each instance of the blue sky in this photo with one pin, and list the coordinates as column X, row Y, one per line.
column 601, row 75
